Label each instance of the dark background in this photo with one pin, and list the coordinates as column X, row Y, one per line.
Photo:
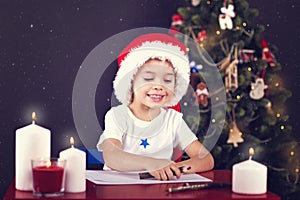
column 43, row 43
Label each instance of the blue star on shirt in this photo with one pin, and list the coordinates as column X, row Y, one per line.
column 144, row 143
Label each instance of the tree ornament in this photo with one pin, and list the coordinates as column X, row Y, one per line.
column 235, row 135
column 266, row 54
column 246, row 55
column 231, row 77
column 201, row 94
column 177, row 20
column 225, row 63
column 196, row 2
column 201, row 36
column 194, row 67
column 257, row 89
column 225, row 20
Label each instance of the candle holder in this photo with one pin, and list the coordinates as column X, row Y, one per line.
column 48, row 177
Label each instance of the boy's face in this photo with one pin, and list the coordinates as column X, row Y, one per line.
column 154, row 83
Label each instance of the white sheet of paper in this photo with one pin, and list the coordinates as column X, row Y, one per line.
column 120, row 178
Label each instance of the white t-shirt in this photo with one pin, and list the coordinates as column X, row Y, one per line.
column 156, row 138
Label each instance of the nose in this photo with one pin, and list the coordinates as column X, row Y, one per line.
column 157, row 87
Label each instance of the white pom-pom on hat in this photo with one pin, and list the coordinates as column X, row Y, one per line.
column 151, row 46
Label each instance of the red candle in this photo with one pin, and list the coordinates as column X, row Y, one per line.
column 47, row 179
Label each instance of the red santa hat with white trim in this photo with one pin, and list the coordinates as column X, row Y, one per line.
column 151, row 46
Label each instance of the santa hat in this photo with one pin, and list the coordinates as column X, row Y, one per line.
column 139, row 51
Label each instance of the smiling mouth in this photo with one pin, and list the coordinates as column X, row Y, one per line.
column 156, row 97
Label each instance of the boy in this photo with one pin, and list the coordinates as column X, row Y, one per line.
column 141, row 133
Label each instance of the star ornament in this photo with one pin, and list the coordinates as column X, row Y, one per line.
column 144, row 143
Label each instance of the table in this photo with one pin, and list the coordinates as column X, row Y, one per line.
column 153, row 191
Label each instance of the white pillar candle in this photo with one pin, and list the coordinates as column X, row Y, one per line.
column 75, row 168
column 249, row 177
column 32, row 141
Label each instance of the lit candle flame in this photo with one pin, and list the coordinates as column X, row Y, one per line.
column 48, row 163
column 72, row 141
column 33, row 116
column 251, row 152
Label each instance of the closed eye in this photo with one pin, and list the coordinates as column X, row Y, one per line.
column 148, row 79
column 168, row 81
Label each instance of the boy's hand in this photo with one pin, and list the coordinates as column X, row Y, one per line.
column 167, row 173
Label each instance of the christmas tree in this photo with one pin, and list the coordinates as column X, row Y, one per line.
column 255, row 97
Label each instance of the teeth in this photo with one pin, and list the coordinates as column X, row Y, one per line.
column 155, row 96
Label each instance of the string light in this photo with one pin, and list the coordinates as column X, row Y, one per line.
column 276, row 84
column 213, row 120
column 249, row 69
column 297, row 170
column 278, row 115
column 185, row 103
column 292, row 153
column 208, row 2
column 218, row 32
column 282, row 127
column 244, row 24
column 238, row 97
